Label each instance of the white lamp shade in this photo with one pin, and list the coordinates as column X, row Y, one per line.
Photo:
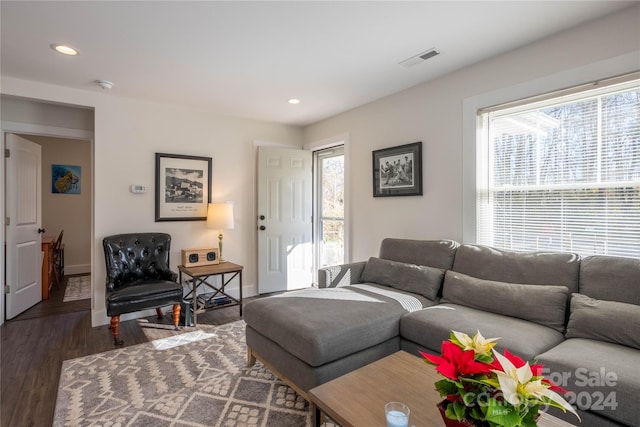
column 220, row 216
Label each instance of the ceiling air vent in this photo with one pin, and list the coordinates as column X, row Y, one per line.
column 423, row 56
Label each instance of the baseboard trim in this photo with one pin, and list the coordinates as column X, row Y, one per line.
column 77, row 269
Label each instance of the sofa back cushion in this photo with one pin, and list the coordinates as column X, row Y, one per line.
column 418, row 279
column 534, row 268
column 611, row 278
column 601, row 320
column 542, row 304
column 432, row 253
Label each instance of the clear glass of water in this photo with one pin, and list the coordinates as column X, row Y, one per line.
column 397, row 414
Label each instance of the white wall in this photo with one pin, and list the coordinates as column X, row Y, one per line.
column 433, row 113
column 21, row 110
column 128, row 133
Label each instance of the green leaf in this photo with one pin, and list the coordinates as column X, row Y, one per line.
column 529, row 420
column 459, row 409
column 477, row 412
column 446, row 387
column 469, row 398
column 451, row 413
column 502, row 414
column 456, row 411
column 485, row 358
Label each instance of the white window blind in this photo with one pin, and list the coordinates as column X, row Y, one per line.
column 562, row 173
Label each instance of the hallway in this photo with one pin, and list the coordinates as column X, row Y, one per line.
column 54, row 305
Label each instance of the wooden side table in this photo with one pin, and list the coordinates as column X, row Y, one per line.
column 199, row 276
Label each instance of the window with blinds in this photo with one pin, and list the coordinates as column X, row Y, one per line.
column 562, row 173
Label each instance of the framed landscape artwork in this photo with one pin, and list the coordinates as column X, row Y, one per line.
column 183, row 187
column 397, row 171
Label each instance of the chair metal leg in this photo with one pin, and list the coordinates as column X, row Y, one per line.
column 115, row 329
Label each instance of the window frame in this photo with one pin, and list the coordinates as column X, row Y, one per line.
column 600, row 70
column 499, row 197
column 318, row 156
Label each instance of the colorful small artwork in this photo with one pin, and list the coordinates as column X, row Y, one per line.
column 65, row 179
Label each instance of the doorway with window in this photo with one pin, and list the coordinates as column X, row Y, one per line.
column 329, row 206
column 301, row 215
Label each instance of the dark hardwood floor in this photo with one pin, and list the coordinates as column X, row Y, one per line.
column 34, row 344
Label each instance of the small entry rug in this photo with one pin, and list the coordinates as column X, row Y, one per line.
column 78, row 287
column 193, row 379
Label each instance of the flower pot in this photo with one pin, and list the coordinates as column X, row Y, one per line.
column 448, row 422
column 453, row 423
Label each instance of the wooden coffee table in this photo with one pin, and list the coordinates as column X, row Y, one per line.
column 357, row 399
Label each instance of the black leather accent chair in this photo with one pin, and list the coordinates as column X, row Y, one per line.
column 139, row 277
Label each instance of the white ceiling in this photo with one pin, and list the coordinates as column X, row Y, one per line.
column 248, row 58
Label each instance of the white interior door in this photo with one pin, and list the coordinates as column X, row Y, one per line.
column 284, row 219
column 23, row 233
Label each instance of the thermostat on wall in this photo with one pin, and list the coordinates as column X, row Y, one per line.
column 136, row 188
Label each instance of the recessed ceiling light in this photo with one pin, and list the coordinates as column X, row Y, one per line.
column 294, row 101
column 64, row 49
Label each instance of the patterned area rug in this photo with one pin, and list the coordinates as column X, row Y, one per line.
column 78, row 287
column 194, row 379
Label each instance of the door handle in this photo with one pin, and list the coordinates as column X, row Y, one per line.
column 262, row 227
column 40, row 230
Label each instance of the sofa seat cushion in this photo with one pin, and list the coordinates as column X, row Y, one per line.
column 305, row 377
column 543, row 304
column 429, row 327
column 319, row 326
column 601, row 377
column 142, row 294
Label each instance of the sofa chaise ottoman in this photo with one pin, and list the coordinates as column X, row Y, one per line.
column 312, row 336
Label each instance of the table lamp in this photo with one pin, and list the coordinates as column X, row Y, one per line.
column 220, row 217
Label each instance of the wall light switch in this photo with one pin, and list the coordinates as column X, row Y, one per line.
column 138, row 189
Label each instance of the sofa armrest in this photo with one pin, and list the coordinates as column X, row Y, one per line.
column 340, row 275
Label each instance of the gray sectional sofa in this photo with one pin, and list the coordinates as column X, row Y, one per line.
column 580, row 317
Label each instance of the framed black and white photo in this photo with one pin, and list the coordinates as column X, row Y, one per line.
column 397, row 171
column 183, row 187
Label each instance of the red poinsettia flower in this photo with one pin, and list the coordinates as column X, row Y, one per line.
column 517, row 361
column 456, row 362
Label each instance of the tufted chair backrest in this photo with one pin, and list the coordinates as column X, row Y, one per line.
column 135, row 256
